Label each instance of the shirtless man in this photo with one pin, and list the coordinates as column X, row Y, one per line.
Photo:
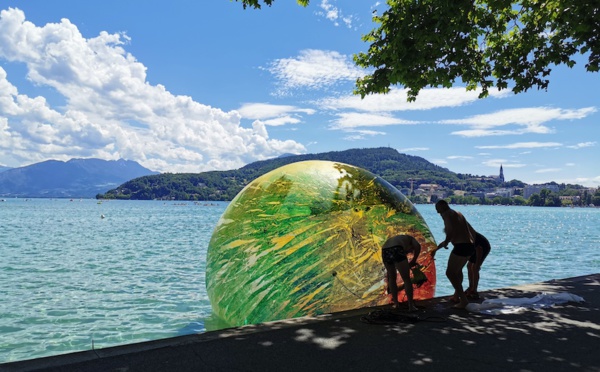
column 462, row 236
column 394, row 252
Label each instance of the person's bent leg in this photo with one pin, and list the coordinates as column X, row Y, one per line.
column 476, row 275
column 404, row 270
column 392, row 285
column 475, row 281
column 471, row 274
column 455, row 275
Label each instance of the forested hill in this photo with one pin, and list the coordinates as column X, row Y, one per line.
column 394, row 167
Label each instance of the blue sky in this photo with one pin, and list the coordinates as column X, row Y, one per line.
column 190, row 86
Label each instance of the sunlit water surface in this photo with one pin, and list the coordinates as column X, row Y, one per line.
column 81, row 274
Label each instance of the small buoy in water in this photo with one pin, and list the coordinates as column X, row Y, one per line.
column 101, row 216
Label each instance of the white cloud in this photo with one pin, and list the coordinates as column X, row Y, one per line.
column 582, row 145
column 361, row 134
column 522, row 145
column 520, row 121
column 496, row 163
column 414, row 149
column 548, row 170
column 585, row 181
column 111, row 110
column 524, row 116
column 334, row 14
column 356, row 120
column 283, row 120
column 488, row 132
column 269, row 111
column 459, row 157
column 313, row 69
column 395, row 100
column 439, row 161
column 376, row 110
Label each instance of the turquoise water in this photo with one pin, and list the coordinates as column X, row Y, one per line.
column 78, row 274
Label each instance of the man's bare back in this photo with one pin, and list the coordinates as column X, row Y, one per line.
column 457, row 228
column 406, row 241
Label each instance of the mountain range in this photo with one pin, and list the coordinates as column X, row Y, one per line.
column 76, row 178
column 400, row 170
column 123, row 179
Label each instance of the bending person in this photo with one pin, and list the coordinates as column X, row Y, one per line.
column 482, row 249
column 394, row 252
column 462, row 236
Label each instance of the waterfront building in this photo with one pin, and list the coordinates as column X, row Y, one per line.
column 503, row 192
column 535, row 189
column 572, row 198
column 428, row 190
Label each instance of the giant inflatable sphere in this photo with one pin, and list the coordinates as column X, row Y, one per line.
column 305, row 239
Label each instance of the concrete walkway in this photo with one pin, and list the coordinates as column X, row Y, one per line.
column 559, row 338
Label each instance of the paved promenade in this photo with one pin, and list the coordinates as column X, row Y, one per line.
column 558, row 338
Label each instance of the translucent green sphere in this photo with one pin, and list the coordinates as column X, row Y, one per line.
column 305, row 239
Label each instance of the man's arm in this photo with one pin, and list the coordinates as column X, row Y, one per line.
column 448, row 230
column 443, row 244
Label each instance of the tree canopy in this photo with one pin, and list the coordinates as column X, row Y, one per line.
column 482, row 43
column 485, row 43
column 256, row 3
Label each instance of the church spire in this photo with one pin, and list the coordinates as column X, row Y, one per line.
column 501, row 177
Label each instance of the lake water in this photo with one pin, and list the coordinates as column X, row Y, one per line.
column 81, row 274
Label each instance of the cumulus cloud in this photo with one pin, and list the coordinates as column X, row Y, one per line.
column 313, row 69
column 111, row 110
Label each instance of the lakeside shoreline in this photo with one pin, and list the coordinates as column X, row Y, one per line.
column 557, row 338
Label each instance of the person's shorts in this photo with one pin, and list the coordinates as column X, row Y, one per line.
column 394, row 254
column 464, row 249
column 485, row 245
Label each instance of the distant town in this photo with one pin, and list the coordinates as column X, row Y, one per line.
column 549, row 194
